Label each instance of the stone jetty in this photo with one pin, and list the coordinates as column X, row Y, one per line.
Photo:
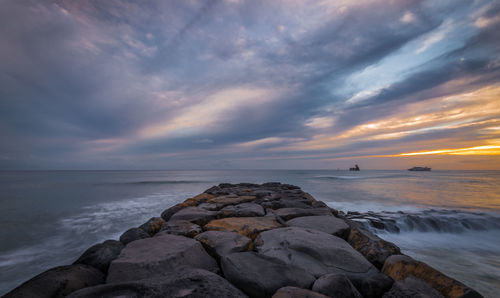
column 245, row 240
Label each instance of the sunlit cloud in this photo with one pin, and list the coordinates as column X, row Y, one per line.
column 477, row 150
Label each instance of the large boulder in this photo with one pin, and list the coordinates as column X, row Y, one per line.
column 246, row 226
column 261, row 276
column 399, row 267
column 316, row 252
column 157, row 256
column 58, row 282
column 375, row 249
column 336, row 285
column 294, row 292
column 101, row 255
column 195, row 283
column 152, row 226
column 132, row 235
column 328, row 224
column 412, row 287
column 219, row 243
column 195, row 215
column 180, row 227
column 289, row 213
column 242, row 210
column 191, row 202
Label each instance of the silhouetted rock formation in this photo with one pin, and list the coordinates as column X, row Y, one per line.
column 240, row 240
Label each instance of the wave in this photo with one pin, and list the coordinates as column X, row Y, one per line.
column 431, row 220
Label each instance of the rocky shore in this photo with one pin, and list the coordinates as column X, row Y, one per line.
column 246, row 240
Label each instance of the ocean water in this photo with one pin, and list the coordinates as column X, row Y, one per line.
column 449, row 219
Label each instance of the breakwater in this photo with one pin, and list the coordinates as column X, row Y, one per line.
column 238, row 240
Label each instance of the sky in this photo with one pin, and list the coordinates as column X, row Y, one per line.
column 235, row 84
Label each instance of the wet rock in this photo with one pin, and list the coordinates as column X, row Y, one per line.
column 193, row 283
column 412, row 287
column 372, row 286
column 196, row 215
column 180, row 227
column 375, row 249
column 152, row 226
column 101, row 255
column 294, row 292
column 328, row 224
column 399, row 267
column 242, row 210
column 261, row 276
column 219, row 243
column 336, row 285
column 246, row 226
column 290, row 213
column 58, row 282
column 132, row 235
column 316, row 252
column 157, row 256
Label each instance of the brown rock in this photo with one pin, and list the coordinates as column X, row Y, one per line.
column 180, row 227
column 372, row 247
column 152, row 226
column 230, row 200
column 246, row 226
column 399, row 267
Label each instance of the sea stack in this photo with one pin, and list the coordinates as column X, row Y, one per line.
column 246, row 240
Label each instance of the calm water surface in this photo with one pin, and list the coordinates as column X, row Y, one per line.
column 49, row 218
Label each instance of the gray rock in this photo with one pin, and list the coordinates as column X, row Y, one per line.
column 157, row 256
column 219, row 243
column 180, row 227
column 316, row 252
column 192, row 283
column 293, row 292
column 132, row 235
column 412, row 287
column 152, row 226
column 328, row 224
column 167, row 214
column 196, row 215
column 372, row 286
column 336, row 285
column 289, row 213
column 242, row 210
column 101, row 255
column 286, row 203
column 209, row 206
column 58, row 282
column 261, row 276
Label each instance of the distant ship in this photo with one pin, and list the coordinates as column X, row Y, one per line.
column 423, row 169
column 356, row 168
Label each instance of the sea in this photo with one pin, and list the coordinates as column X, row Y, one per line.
column 448, row 219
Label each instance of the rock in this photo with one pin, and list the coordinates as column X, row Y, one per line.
column 157, row 256
column 328, row 224
column 152, row 226
column 372, row 286
column 196, row 283
column 242, row 210
column 261, row 276
column 289, row 213
column 101, row 255
column 399, row 267
column 293, row 292
column 132, row 235
column 246, row 226
column 209, row 206
column 316, row 252
column 230, row 200
column 219, row 243
column 58, row 282
column 191, row 202
column 286, row 203
column 336, row 285
column 412, row 287
column 180, row 227
column 375, row 249
column 196, row 215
